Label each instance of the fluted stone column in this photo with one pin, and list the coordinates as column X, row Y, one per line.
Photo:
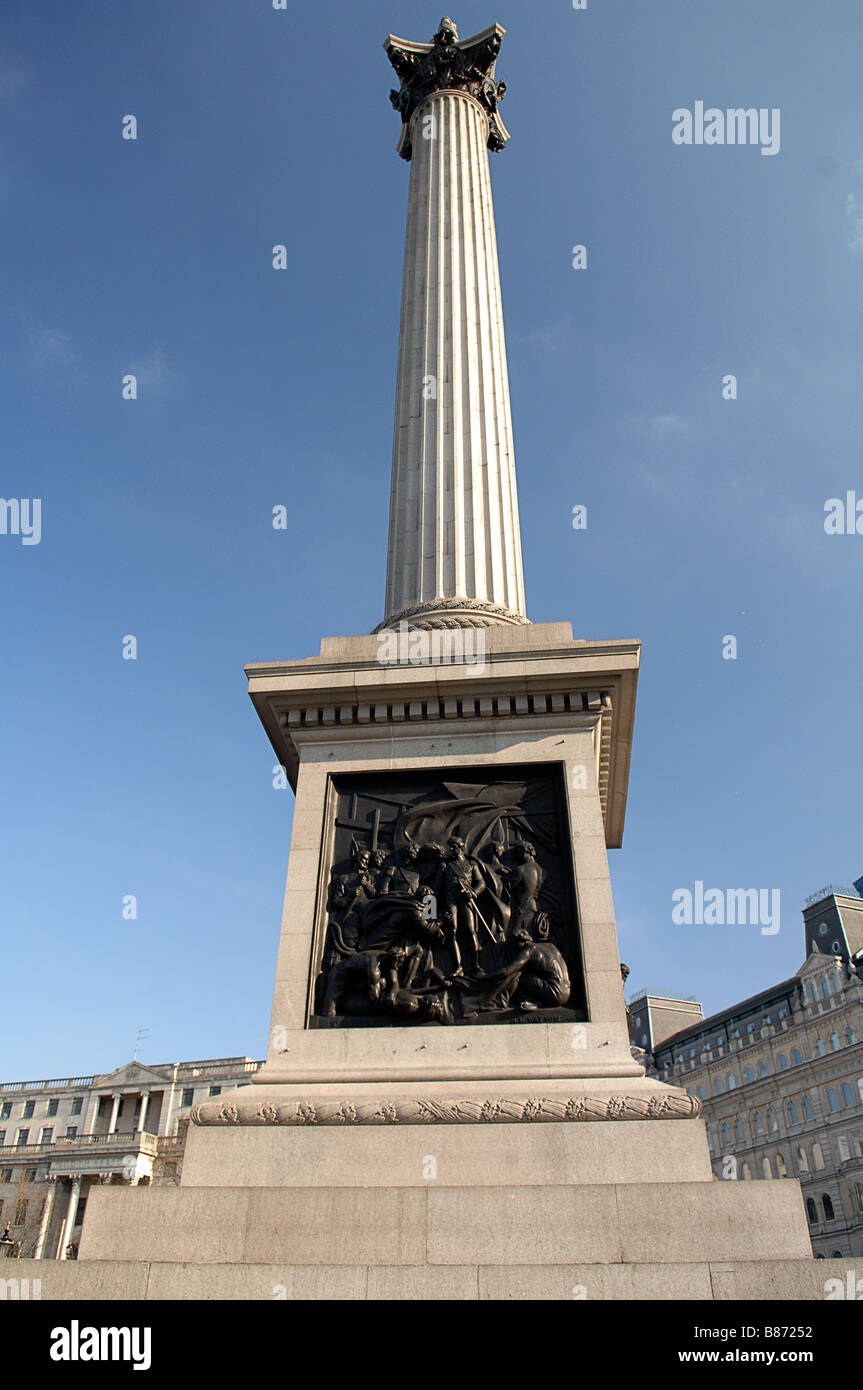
column 454, row 541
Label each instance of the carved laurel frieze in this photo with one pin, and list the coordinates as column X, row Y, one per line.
column 492, row 1110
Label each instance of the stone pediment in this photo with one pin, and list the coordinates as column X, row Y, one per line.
column 132, row 1076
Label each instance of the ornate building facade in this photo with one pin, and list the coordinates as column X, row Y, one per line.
column 60, row 1138
column 780, row 1075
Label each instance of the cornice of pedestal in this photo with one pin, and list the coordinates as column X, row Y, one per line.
column 536, row 676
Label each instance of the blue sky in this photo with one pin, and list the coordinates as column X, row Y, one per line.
column 257, row 388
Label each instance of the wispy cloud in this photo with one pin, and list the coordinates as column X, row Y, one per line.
column 156, row 377
column 14, row 76
column 854, row 211
column 662, row 426
column 50, row 347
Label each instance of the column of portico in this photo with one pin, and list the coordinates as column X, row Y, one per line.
column 68, row 1222
column 112, row 1126
column 145, row 1101
column 46, row 1219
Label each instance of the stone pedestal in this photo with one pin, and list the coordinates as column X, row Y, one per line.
column 448, row 1160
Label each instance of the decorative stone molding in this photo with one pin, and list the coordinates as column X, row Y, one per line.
column 454, row 612
column 496, row 706
column 494, row 1110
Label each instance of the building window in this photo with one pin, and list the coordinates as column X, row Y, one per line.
column 817, row 1155
column 781, row 1170
column 832, row 1100
column 792, row 1113
column 188, row 1096
column 738, row 1130
column 77, row 1105
column 834, row 1042
column 796, row 1056
column 2, row 1137
column 726, row 1134
column 858, row 1194
column 701, row 1093
column 849, row 1037
column 783, row 1062
column 756, row 1124
column 23, row 1138
column 47, row 1136
column 29, row 1107
column 731, row 1082
column 860, row 1087
column 844, row 1148
column 6, row 1112
column 802, row 1161
column 71, row 1131
column 718, row 1086
column 807, row 1109
column 53, row 1106
column 813, row 991
column 215, row 1090
column 766, row 1170
column 750, row 1074
column 819, row 1047
column 811, row 1211
column 847, row 1094
column 20, row 1212
column 829, row 1214
column 762, row 1069
column 825, row 987
column 746, row 1171
column 771, row 1119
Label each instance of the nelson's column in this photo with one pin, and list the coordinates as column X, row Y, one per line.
column 448, row 1024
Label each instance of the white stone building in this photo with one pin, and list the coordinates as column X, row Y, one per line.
column 60, row 1137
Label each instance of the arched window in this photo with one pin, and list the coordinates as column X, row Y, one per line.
column 731, row 1082
column 738, row 1130
column 781, row 1170
column 813, row 991
column 811, row 1210
column 762, row 1069
column 849, row 1036
column 726, row 1134
column 746, row 1171
column 796, row 1057
column 757, row 1127
column 766, row 1170
column 750, row 1074
column 834, row 1041
column 807, row 1109
column 802, row 1160
column 847, row 1094
column 832, row 1100
column 819, row 1047
column 837, row 1255
column 783, row 1062
column 702, row 1095
column 829, row 1213
column 817, row 1155
column 825, row 987
column 718, row 1086
column 792, row 1113
column 771, row 1119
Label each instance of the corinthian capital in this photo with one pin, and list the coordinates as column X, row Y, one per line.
column 448, row 63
